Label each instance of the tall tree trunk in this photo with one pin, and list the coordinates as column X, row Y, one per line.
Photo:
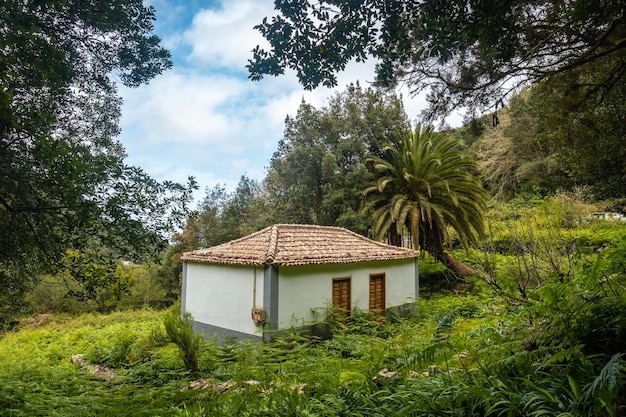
column 459, row 269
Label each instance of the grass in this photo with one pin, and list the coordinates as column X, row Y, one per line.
column 459, row 355
column 39, row 378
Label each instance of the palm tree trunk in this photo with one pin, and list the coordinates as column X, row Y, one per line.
column 459, row 269
column 394, row 238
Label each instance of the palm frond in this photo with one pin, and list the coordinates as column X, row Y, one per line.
column 425, row 183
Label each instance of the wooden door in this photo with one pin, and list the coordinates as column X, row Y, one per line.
column 341, row 295
column 377, row 294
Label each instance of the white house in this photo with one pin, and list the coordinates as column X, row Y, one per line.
column 288, row 275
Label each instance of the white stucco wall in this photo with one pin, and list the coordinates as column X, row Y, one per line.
column 305, row 289
column 222, row 296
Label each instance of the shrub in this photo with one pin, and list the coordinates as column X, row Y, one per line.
column 178, row 330
column 122, row 352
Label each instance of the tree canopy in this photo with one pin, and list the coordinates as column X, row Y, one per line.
column 584, row 126
column 566, row 132
column 316, row 176
column 63, row 181
column 467, row 53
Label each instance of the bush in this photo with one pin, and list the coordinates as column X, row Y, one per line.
column 123, row 350
column 52, row 294
column 145, row 291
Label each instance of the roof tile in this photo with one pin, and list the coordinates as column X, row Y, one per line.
column 297, row 244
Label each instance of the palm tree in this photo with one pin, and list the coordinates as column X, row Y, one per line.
column 425, row 184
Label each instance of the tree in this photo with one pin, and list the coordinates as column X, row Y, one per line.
column 87, row 280
column 63, row 181
column 225, row 216
column 426, row 184
column 316, row 175
column 582, row 123
column 239, row 216
column 564, row 132
column 221, row 217
column 467, row 53
column 513, row 158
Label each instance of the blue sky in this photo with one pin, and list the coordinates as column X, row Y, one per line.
column 204, row 117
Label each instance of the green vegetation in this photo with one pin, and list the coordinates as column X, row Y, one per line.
column 467, row 54
column 538, row 329
column 67, row 196
column 541, row 333
column 178, row 330
column 425, row 184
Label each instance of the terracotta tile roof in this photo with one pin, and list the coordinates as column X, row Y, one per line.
column 295, row 244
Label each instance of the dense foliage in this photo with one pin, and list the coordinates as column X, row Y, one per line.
column 467, row 53
column 64, row 185
column 566, row 132
column 557, row 349
column 224, row 216
column 582, row 124
column 512, row 158
column 317, row 174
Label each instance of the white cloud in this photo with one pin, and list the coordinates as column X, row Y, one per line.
column 181, row 106
column 213, row 127
column 223, row 37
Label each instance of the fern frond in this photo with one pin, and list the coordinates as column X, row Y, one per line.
column 444, row 329
column 565, row 356
column 421, row 359
column 608, row 379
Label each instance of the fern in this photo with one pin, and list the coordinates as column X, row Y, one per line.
column 420, row 359
column 565, row 355
column 444, row 329
column 439, row 343
column 606, row 385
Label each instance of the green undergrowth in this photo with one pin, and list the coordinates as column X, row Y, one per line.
column 40, row 379
column 541, row 331
column 456, row 353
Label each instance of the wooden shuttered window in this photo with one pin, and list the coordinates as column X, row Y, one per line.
column 341, row 296
column 377, row 294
